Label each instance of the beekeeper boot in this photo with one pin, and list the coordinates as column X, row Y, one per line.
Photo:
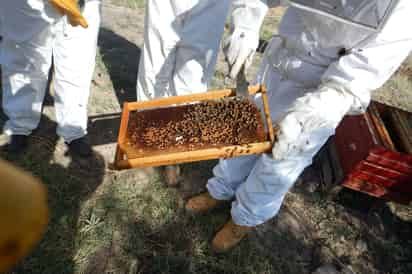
column 202, row 203
column 229, row 236
column 172, row 175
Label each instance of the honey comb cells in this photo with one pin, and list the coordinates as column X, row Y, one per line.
column 229, row 121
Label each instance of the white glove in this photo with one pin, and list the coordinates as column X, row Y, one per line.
column 239, row 49
column 311, row 119
column 246, row 19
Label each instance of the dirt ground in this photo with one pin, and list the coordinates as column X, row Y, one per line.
column 105, row 221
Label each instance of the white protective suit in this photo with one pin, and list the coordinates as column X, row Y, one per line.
column 34, row 34
column 318, row 69
column 181, row 44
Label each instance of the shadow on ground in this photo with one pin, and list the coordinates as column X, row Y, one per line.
column 121, row 58
column 386, row 234
column 181, row 242
column 175, row 242
column 357, row 230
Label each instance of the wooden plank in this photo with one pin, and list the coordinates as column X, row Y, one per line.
column 197, row 155
column 174, row 100
column 365, row 187
column 402, row 127
column 371, row 178
column 389, row 183
column 354, row 138
column 390, row 163
column 380, row 127
column 379, row 170
column 377, row 191
column 267, row 115
column 372, row 130
column 392, row 155
column 124, row 123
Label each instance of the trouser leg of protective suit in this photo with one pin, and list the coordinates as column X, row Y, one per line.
column 181, row 46
column 197, row 51
column 74, row 58
column 259, row 198
column 158, row 53
column 228, row 175
column 24, row 78
column 260, row 193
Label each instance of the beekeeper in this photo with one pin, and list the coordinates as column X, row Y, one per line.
column 181, row 42
column 35, row 34
column 326, row 61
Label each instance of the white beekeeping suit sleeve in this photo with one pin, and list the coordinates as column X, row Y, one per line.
column 346, row 86
column 21, row 20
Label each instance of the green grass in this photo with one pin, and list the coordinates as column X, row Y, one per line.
column 129, row 215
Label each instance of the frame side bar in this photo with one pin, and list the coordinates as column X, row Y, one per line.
column 267, row 115
column 124, row 123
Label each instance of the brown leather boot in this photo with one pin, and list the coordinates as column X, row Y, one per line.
column 202, row 203
column 229, row 236
column 172, row 175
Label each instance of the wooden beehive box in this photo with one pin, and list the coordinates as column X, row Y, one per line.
column 371, row 153
column 181, row 129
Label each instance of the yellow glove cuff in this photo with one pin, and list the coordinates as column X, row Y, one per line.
column 71, row 10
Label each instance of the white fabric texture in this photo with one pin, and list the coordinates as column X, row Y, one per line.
column 23, row 19
column 243, row 41
column 26, row 64
column 181, row 43
column 311, row 86
column 352, row 12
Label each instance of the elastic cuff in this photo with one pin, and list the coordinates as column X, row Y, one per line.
column 9, row 131
column 240, row 217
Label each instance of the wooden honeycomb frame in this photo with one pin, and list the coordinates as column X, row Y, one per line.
column 124, row 158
